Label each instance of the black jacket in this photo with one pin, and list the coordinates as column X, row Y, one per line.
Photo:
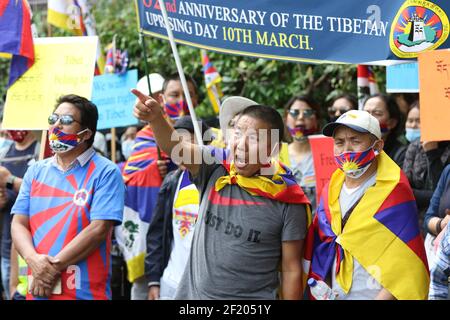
column 160, row 232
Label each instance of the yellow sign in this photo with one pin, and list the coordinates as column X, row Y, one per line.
column 434, row 80
column 63, row 66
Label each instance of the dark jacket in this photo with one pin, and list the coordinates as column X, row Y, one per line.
column 423, row 170
column 395, row 148
column 160, row 232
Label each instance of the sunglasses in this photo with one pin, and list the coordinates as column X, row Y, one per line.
column 64, row 119
column 308, row 113
column 333, row 110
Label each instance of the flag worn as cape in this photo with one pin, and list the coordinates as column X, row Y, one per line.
column 143, row 181
column 212, row 81
column 16, row 37
column 382, row 233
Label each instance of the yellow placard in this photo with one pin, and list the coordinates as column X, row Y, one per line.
column 63, row 65
column 434, row 80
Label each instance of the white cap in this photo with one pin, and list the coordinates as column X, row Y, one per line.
column 230, row 107
column 358, row 120
column 156, row 83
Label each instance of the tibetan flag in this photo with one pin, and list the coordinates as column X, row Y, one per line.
column 382, row 234
column 65, row 14
column 142, row 181
column 16, row 38
column 212, row 81
column 367, row 84
column 281, row 187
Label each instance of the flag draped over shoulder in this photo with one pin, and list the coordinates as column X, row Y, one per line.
column 143, row 181
column 16, row 38
column 212, row 81
column 382, row 234
column 367, row 84
column 281, row 187
column 75, row 16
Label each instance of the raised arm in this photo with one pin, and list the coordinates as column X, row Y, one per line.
column 148, row 109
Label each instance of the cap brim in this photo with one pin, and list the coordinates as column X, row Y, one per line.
column 328, row 130
column 230, row 107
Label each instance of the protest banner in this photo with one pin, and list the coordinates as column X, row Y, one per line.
column 402, row 78
column 111, row 93
column 434, row 79
column 346, row 31
column 324, row 164
column 64, row 65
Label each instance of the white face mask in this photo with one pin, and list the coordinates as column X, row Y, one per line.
column 127, row 148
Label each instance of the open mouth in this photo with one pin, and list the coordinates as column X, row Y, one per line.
column 240, row 161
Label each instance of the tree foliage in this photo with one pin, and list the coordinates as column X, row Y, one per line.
column 268, row 82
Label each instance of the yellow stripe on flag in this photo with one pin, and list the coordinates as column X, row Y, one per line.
column 136, row 267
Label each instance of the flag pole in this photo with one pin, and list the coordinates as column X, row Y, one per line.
column 198, row 134
column 147, row 76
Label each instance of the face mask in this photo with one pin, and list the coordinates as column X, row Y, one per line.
column 412, row 134
column 355, row 164
column 384, row 127
column 18, row 135
column 5, row 143
column 127, row 148
column 176, row 110
column 63, row 142
column 300, row 133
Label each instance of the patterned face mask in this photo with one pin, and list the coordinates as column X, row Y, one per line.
column 63, row 142
column 176, row 110
column 355, row 164
column 300, row 133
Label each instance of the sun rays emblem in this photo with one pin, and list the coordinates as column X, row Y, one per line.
column 350, row 166
column 418, row 26
column 69, row 212
column 352, row 161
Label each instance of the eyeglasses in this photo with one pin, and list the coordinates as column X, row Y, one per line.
column 332, row 110
column 64, row 119
column 307, row 113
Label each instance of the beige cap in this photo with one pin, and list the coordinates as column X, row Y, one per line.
column 358, row 120
column 230, row 107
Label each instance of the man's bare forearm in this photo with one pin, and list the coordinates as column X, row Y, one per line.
column 84, row 243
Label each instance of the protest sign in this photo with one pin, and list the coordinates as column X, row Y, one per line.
column 402, row 78
column 111, row 93
column 324, row 164
column 63, row 65
column 434, row 78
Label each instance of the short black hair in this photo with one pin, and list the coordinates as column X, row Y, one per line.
column 176, row 77
column 88, row 111
column 268, row 115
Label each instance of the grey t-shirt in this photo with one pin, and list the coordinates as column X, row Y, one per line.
column 236, row 246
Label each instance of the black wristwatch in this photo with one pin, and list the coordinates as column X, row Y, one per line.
column 10, row 182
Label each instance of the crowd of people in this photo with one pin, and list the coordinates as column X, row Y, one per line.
column 233, row 216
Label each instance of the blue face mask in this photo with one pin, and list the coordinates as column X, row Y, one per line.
column 412, row 134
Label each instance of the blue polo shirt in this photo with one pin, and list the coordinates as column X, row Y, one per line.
column 61, row 204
